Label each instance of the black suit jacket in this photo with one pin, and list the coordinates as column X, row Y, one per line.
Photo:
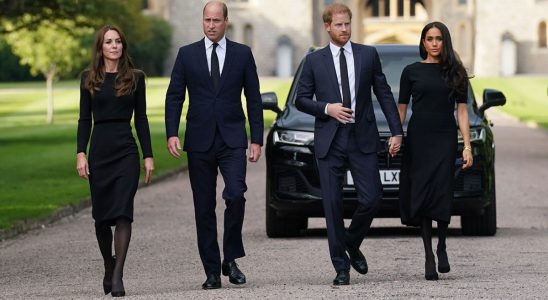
column 208, row 108
column 319, row 77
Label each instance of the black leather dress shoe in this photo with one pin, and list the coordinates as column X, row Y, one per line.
column 235, row 275
column 357, row 260
column 343, row 278
column 212, row 282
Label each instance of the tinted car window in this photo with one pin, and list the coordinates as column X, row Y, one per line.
column 392, row 66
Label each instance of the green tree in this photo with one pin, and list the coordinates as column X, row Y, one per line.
column 149, row 55
column 50, row 50
column 10, row 69
column 29, row 14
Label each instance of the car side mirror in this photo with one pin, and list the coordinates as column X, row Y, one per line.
column 270, row 102
column 491, row 97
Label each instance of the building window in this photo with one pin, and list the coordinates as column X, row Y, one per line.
column 248, row 35
column 542, row 34
column 284, row 57
column 381, row 8
column 400, row 8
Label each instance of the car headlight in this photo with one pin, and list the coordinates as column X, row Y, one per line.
column 476, row 134
column 291, row 137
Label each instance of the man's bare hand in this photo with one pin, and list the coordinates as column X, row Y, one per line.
column 173, row 146
column 339, row 112
column 395, row 145
column 254, row 152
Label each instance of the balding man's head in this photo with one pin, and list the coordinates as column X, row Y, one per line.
column 215, row 20
column 217, row 3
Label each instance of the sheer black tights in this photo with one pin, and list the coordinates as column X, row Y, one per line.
column 122, row 236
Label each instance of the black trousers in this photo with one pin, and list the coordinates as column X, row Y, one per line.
column 344, row 155
column 203, row 169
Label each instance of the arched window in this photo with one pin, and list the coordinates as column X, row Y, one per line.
column 542, row 34
column 248, row 35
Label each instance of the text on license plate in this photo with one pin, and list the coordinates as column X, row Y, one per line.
column 388, row 177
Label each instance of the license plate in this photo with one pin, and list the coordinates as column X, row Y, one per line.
column 388, row 177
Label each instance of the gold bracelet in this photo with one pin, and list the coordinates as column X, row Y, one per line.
column 469, row 148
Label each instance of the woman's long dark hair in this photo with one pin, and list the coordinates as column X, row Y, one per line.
column 453, row 72
column 126, row 77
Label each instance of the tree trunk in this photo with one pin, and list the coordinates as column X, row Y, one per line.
column 50, row 75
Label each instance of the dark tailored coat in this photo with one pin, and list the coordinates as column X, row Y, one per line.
column 208, row 108
column 319, row 77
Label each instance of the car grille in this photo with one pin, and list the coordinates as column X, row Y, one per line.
column 290, row 181
column 469, row 181
column 384, row 159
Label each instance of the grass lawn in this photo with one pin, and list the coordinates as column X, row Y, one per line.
column 38, row 160
column 526, row 97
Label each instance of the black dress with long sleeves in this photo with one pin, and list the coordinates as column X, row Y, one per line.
column 426, row 178
column 113, row 155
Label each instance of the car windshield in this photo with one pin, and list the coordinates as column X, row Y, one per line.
column 392, row 66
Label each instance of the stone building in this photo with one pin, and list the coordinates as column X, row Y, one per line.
column 492, row 37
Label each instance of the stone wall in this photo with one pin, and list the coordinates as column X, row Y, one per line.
column 520, row 19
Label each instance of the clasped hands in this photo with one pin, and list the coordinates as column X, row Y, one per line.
column 344, row 115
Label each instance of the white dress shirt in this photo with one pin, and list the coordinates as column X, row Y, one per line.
column 221, row 53
column 348, row 54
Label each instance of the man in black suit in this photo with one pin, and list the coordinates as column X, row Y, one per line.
column 215, row 70
column 341, row 77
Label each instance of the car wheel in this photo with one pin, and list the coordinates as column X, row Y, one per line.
column 482, row 225
column 277, row 226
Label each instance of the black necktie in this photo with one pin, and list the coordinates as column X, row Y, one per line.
column 344, row 80
column 215, row 74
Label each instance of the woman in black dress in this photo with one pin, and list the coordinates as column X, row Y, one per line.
column 426, row 180
column 111, row 91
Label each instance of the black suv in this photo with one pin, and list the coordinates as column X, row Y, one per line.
column 292, row 182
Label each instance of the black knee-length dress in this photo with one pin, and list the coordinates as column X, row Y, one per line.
column 113, row 155
column 426, row 178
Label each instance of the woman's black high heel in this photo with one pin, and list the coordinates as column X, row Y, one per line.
column 443, row 261
column 107, row 279
column 430, row 269
column 119, row 292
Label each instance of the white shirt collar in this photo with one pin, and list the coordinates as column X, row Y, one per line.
column 336, row 49
column 209, row 43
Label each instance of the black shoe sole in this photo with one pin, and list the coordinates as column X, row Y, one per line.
column 210, row 287
column 444, row 269
column 235, row 282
